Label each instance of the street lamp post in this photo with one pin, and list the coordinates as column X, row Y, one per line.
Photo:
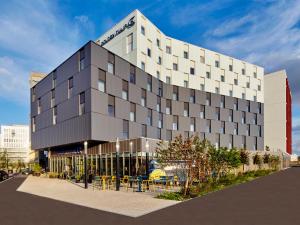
column 117, row 165
column 147, row 158
column 130, row 155
column 85, row 165
column 100, row 159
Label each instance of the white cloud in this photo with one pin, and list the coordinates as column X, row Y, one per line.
column 34, row 36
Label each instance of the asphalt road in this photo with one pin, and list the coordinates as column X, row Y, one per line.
column 273, row 200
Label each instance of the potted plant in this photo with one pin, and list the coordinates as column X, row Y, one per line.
column 37, row 170
column 77, row 178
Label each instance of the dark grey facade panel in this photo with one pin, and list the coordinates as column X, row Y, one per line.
column 102, row 127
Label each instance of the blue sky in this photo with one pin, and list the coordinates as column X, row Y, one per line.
column 38, row 35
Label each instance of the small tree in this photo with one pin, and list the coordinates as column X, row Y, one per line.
column 266, row 158
column 244, row 157
column 257, row 160
column 274, row 161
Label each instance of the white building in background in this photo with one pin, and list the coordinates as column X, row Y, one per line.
column 14, row 140
column 278, row 112
column 139, row 41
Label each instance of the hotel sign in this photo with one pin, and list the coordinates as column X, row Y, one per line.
column 128, row 25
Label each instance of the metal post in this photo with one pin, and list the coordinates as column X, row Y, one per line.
column 130, row 155
column 100, row 159
column 147, row 162
column 85, row 165
column 117, row 166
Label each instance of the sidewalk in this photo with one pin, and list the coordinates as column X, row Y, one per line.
column 125, row 203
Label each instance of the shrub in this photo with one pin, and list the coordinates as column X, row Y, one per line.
column 176, row 196
column 266, row 158
column 257, row 160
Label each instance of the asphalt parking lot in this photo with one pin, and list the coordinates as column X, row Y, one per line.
column 270, row 200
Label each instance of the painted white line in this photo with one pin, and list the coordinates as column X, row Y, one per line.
column 1, row 182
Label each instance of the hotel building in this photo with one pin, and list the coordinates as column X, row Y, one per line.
column 138, row 85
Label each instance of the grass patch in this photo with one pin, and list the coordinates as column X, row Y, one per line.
column 209, row 187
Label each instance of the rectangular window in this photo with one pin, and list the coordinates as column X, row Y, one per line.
column 185, row 55
column 158, row 133
column 54, row 115
column 33, row 122
column 192, row 96
column 143, row 31
column 168, row 107
column 158, row 104
column 144, row 130
column 132, row 74
column 243, row 117
column 33, row 95
column 101, row 80
column 186, row 109
column 230, row 68
column 143, row 98
column 70, row 87
column 111, row 63
column 186, row 84
column 159, row 60
column 222, row 128
column 259, row 108
column 160, row 88
column 202, row 87
column 192, row 71
column 149, row 117
column 39, row 106
column 248, row 106
column 255, row 75
column 202, row 59
column 235, row 129
column 175, row 123
column 157, row 42
column 230, row 117
column 168, row 50
column 202, row 111
column 222, row 78
column 244, row 142
column 81, row 103
column 54, row 78
column 125, row 129
column 168, row 80
column 248, row 84
column 143, row 66
column 254, row 120
column 207, row 75
column 208, row 97
column 160, row 120
column 124, row 90
column 132, row 112
column 208, row 126
column 149, row 52
column 243, row 95
column 230, row 93
column 243, row 71
column 149, row 83
column 217, row 90
column 217, row 141
column 175, row 66
column 175, row 93
column 254, row 98
column 217, row 63
column 130, row 43
column 81, row 59
column 235, row 81
column 217, row 113
column 248, row 130
column 111, row 105
column 235, row 104
column 193, row 125
column 259, row 88
column 259, row 131
column 222, row 102
column 52, row 97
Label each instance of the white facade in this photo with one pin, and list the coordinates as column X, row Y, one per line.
column 140, row 42
column 275, row 111
column 15, row 140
